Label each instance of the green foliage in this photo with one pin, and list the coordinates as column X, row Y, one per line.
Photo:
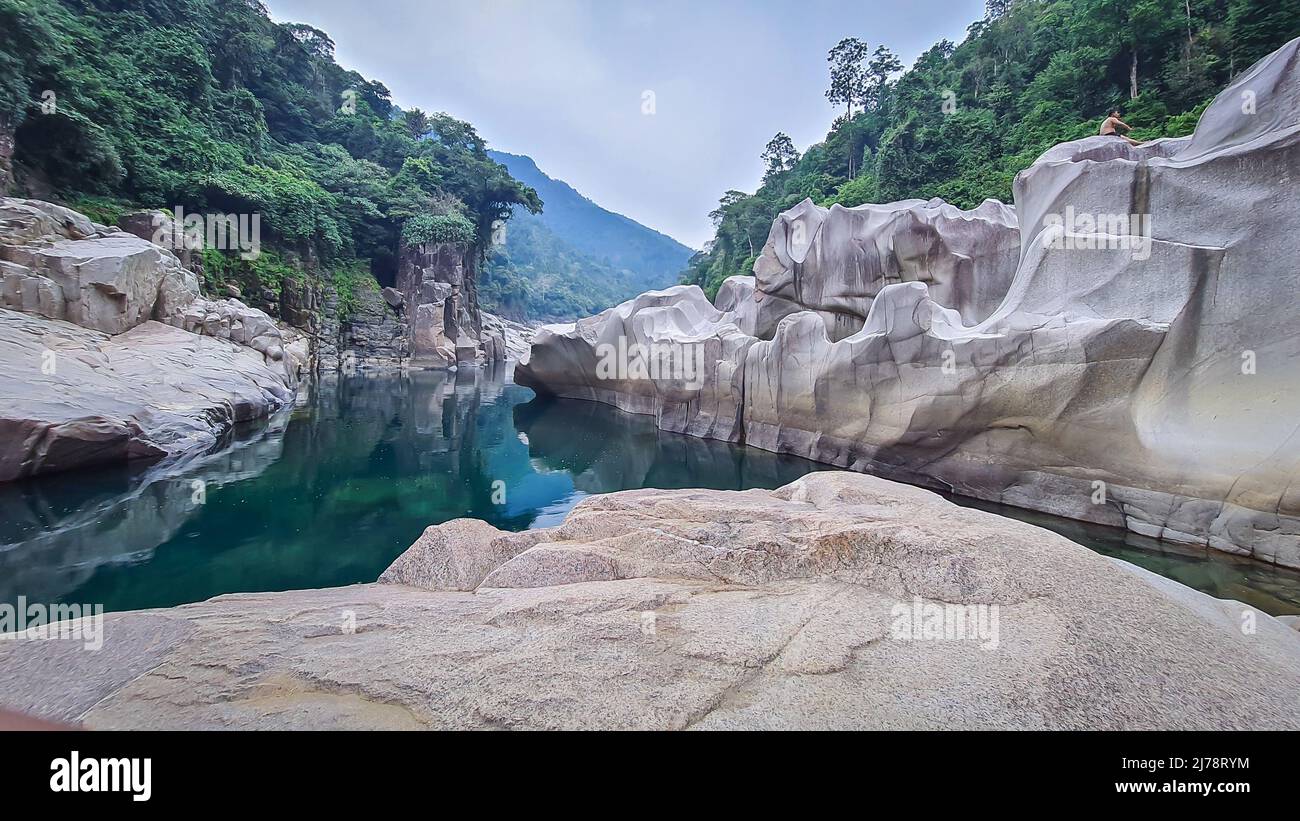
column 575, row 259
column 267, row 270
column 424, row 228
column 1185, row 123
column 857, row 191
column 538, row 275
column 212, row 106
column 965, row 119
column 779, row 156
column 848, row 76
column 349, row 277
column 103, row 210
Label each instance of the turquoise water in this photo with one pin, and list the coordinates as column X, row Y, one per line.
column 331, row 491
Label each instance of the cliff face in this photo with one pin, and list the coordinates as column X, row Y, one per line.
column 430, row 320
column 437, row 285
column 1136, row 370
column 6, row 155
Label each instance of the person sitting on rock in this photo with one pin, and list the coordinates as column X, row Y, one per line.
column 1112, row 124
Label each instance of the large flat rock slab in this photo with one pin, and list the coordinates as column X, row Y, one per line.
column 698, row 609
column 76, row 397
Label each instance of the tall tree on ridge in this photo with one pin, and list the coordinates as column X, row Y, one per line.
column 993, row 9
column 848, row 78
column 884, row 64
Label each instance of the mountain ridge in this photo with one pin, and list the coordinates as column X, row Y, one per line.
column 576, row 257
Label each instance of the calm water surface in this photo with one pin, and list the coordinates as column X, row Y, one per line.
column 330, row 492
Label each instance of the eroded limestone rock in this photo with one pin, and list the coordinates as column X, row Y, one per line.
column 667, row 353
column 835, row 261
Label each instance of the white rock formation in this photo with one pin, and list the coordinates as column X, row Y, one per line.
column 667, row 353
column 233, row 320
column 755, row 312
column 505, row 338
column 75, row 397
column 1138, row 372
column 831, row 603
column 835, row 261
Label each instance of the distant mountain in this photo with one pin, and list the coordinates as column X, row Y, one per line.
column 575, row 258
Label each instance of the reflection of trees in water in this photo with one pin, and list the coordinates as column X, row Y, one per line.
column 330, row 492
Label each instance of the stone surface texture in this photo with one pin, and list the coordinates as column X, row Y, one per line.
column 672, row 609
column 75, row 397
column 836, row 261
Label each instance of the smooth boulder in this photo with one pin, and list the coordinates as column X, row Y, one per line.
column 76, row 397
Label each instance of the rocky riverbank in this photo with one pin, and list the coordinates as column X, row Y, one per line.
column 1117, row 350
column 838, row 601
column 110, row 352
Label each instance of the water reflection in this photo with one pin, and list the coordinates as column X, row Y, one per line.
column 331, row 491
column 605, row 450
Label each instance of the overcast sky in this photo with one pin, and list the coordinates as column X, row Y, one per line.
column 564, row 81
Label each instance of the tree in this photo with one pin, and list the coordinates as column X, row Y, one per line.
column 317, row 43
column 779, row 156
column 727, row 201
column 1255, row 26
column 847, row 74
column 883, row 65
column 993, row 9
column 417, row 123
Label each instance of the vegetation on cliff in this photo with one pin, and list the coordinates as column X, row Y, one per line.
column 966, row 118
column 211, row 106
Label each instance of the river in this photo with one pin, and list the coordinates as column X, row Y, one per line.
column 330, row 491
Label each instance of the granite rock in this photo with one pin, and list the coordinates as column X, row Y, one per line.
column 808, row 607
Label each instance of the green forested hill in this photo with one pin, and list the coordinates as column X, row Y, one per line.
column 210, row 105
column 537, row 275
column 966, row 118
column 575, row 258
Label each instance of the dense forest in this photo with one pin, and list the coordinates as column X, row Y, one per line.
column 966, row 118
column 212, row 106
